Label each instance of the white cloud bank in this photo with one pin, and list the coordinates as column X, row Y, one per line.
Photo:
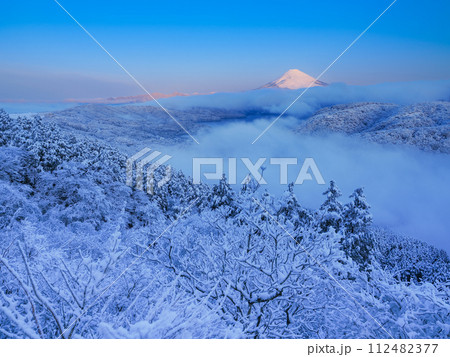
column 407, row 188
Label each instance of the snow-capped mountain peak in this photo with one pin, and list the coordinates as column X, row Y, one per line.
column 294, row 79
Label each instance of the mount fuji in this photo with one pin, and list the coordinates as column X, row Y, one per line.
column 294, row 79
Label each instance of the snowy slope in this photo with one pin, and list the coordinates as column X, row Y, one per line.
column 127, row 125
column 70, row 225
column 294, row 79
column 424, row 125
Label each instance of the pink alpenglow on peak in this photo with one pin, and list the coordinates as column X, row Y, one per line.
column 294, row 79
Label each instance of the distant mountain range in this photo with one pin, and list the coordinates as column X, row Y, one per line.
column 127, row 99
column 292, row 79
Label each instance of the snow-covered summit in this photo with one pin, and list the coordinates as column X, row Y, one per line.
column 294, row 79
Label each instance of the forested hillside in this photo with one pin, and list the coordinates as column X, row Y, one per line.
column 422, row 125
column 84, row 255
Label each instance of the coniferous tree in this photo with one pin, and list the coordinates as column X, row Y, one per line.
column 222, row 194
column 330, row 213
column 290, row 209
column 357, row 220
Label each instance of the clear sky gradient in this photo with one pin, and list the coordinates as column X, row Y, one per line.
column 203, row 46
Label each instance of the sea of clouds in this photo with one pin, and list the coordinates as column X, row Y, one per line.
column 406, row 187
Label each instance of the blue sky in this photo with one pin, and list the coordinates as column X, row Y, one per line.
column 205, row 46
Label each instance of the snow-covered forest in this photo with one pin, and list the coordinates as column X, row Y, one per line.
column 83, row 255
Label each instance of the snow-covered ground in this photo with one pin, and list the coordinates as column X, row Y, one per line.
column 423, row 125
column 128, row 126
column 83, row 255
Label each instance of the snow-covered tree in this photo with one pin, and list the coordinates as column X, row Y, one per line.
column 330, row 213
column 222, row 195
column 357, row 220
